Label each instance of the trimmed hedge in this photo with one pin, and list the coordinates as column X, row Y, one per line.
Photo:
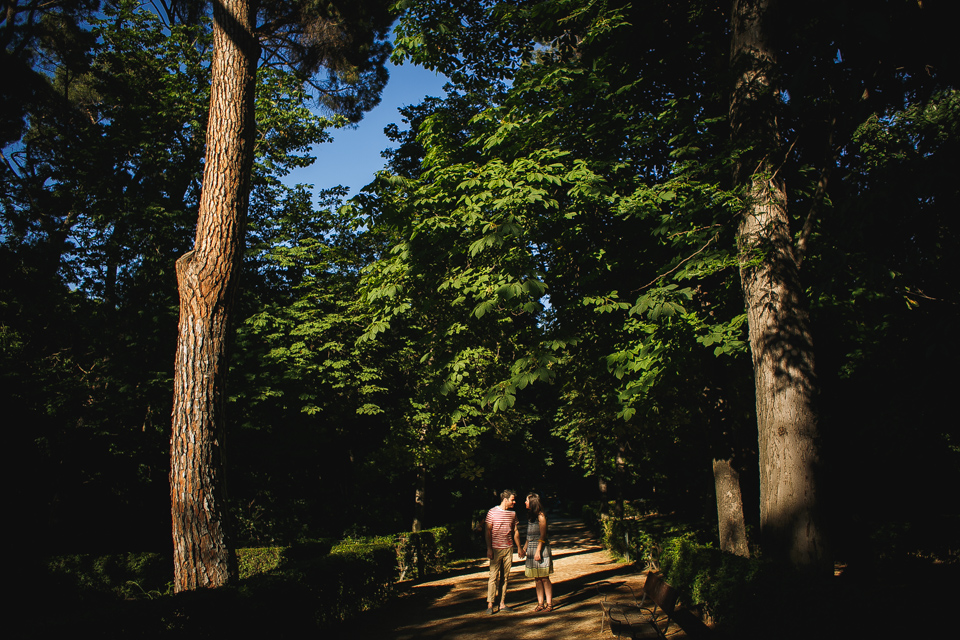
column 420, row 554
column 721, row 586
column 354, row 576
column 637, row 537
column 256, row 560
column 315, row 584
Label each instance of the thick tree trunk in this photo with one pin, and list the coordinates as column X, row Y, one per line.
column 780, row 340
column 207, row 278
column 733, row 531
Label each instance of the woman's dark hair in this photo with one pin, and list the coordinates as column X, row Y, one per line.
column 535, row 508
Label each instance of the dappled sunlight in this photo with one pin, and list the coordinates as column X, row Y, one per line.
column 454, row 606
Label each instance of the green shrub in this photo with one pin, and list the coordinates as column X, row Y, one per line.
column 121, row 575
column 723, row 585
column 355, row 576
column 720, row 585
column 423, row 553
column 307, row 549
column 318, row 583
column 314, row 584
column 626, row 539
column 591, row 516
column 258, row 560
column 639, row 538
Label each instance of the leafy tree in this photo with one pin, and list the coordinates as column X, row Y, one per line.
column 558, row 170
column 27, row 28
column 466, row 328
column 308, row 396
column 95, row 203
column 595, row 140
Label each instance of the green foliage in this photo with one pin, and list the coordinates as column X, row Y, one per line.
column 727, row 587
column 638, row 536
column 254, row 560
column 627, row 540
column 420, row 554
column 121, row 576
column 534, row 193
column 95, row 208
column 355, row 576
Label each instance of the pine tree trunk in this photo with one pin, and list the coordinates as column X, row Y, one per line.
column 780, row 340
column 207, row 278
column 733, row 531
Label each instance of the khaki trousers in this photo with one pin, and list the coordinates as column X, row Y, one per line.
column 500, row 567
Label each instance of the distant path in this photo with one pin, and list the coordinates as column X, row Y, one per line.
column 453, row 607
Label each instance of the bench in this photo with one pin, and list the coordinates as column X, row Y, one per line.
column 654, row 610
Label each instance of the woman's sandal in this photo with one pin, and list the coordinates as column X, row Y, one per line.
column 547, row 608
column 540, row 607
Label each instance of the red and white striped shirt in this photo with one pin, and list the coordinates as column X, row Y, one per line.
column 501, row 524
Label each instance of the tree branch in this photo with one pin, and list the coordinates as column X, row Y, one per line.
column 679, row 264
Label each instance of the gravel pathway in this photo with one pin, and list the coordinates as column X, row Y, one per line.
column 454, row 606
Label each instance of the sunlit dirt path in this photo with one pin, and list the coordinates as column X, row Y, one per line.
column 454, row 606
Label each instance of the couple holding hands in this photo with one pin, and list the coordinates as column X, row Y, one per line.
column 502, row 534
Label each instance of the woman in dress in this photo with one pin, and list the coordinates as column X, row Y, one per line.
column 539, row 564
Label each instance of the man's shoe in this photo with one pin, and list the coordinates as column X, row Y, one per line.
column 506, row 609
column 491, row 611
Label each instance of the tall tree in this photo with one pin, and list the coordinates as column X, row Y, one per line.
column 555, row 182
column 207, row 278
column 779, row 332
column 346, row 39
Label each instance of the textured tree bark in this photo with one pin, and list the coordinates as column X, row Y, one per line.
column 733, row 531
column 207, row 278
column 780, row 339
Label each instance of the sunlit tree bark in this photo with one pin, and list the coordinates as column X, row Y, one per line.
column 733, row 531
column 207, row 278
column 780, row 339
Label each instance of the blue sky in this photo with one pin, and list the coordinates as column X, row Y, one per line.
column 354, row 157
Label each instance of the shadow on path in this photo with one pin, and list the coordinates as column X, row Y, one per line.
column 453, row 606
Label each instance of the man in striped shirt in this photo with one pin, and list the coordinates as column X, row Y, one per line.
column 502, row 534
